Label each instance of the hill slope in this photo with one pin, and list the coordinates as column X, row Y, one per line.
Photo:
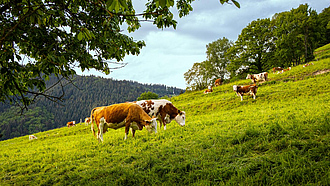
column 86, row 93
column 282, row 137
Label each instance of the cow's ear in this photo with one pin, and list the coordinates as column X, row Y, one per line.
column 179, row 111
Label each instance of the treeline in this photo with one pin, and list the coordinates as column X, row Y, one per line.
column 287, row 39
column 80, row 97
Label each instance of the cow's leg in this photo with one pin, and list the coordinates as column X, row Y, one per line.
column 100, row 128
column 127, row 126
column 241, row 97
column 133, row 132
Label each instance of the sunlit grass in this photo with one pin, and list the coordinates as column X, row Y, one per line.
column 282, row 137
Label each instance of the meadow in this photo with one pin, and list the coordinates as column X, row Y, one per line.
column 280, row 138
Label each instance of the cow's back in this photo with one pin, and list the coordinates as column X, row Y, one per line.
column 115, row 113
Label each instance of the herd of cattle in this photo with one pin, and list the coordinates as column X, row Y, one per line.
column 145, row 113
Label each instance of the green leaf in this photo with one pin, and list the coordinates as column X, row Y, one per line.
column 236, row 4
column 80, row 36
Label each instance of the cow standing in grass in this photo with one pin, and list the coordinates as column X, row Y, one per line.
column 163, row 110
column 258, row 77
column 128, row 115
column 248, row 89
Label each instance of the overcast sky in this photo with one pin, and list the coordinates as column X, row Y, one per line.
column 170, row 53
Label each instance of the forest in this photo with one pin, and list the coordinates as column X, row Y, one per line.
column 80, row 97
column 286, row 40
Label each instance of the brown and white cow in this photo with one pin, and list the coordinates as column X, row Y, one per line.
column 248, row 89
column 87, row 120
column 163, row 110
column 71, row 123
column 257, row 77
column 218, row 82
column 284, row 70
column 209, row 90
column 277, row 69
column 32, row 137
column 308, row 64
column 128, row 115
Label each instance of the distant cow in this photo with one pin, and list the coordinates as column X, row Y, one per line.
column 284, row 70
column 32, row 137
column 218, row 82
column 308, row 64
column 257, row 77
column 209, row 90
column 128, row 115
column 87, row 120
column 275, row 69
column 71, row 123
column 163, row 110
column 248, row 89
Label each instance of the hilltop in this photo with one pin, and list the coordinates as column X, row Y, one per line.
column 281, row 138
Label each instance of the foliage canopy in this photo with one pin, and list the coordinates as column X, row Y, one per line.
column 40, row 38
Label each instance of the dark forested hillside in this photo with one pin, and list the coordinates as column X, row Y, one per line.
column 85, row 93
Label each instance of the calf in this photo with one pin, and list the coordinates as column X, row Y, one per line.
column 248, row 89
column 257, row 77
column 32, row 137
column 209, row 90
column 128, row 115
column 87, row 120
column 307, row 64
column 284, row 70
column 71, row 123
column 163, row 110
column 277, row 69
column 218, row 82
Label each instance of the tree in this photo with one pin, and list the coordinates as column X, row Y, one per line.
column 147, row 95
column 205, row 73
column 253, row 50
column 217, row 61
column 40, row 38
column 196, row 77
column 296, row 35
column 324, row 19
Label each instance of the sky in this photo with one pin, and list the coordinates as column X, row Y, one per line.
column 169, row 53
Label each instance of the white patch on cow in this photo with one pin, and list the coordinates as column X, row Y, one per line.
column 181, row 118
column 101, row 126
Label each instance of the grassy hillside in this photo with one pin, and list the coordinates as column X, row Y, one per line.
column 322, row 52
column 281, row 138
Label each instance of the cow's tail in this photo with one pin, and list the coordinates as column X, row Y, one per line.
column 92, row 125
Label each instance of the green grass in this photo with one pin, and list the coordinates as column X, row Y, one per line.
column 322, row 52
column 281, row 138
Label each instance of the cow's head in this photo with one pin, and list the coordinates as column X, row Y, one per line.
column 235, row 88
column 151, row 125
column 248, row 76
column 180, row 118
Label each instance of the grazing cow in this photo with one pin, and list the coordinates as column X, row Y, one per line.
column 87, row 120
column 240, row 90
column 307, row 64
column 277, row 69
column 209, row 90
column 71, row 123
column 163, row 110
column 32, row 137
column 218, row 82
column 284, row 70
column 257, row 77
column 128, row 115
